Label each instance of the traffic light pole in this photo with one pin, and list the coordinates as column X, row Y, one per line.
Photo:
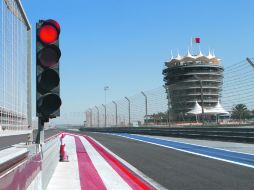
column 40, row 132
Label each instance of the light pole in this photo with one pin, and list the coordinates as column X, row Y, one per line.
column 145, row 104
column 91, row 116
column 129, row 108
column 98, row 116
column 202, row 96
column 105, row 105
column 116, row 111
column 105, row 90
column 105, row 121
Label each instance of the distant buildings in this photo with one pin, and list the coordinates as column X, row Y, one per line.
column 187, row 76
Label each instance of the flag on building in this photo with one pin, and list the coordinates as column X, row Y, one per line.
column 196, row 40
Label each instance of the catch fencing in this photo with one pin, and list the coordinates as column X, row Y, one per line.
column 15, row 67
column 152, row 107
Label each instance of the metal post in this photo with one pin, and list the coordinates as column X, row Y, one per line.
column 129, row 107
column 105, row 105
column 40, row 132
column 91, row 116
column 145, row 104
column 105, row 122
column 202, row 98
column 98, row 116
column 250, row 62
column 86, row 119
column 29, row 85
column 116, row 110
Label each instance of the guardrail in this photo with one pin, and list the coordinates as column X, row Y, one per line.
column 236, row 134
column 29, row 166
column 50, row 159
column 19, row 168
column 11, row 157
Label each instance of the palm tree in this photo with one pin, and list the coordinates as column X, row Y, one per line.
column 159, row 117
column 240, row 111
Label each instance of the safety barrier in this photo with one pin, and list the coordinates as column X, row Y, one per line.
column 20, row 169
column 234, row 134
column 29, row 166
column 50, row 159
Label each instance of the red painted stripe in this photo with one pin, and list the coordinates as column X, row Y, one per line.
column 89, row 177
column 133, row 180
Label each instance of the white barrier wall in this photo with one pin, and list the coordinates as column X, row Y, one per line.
column 26, row 167
column 50, row 160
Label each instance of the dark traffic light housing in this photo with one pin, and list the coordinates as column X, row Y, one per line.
column 48, row 99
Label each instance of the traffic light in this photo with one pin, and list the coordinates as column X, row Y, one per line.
column 48, row 99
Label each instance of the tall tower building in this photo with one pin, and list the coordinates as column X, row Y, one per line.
column 187, row 76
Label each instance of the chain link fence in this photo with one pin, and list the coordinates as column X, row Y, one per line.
column 152, row 108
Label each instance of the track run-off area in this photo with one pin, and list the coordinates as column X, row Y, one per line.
column 172, row 163
column 93, row 166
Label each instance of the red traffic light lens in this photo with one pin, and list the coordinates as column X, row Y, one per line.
column 48, row 34
column 55, row 23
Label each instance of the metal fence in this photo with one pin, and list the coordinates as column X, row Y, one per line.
column 15, row 66
column 238, row 87
column 153, row 108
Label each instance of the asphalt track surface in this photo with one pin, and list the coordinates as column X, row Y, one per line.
column 8, row 141
column 178, row 170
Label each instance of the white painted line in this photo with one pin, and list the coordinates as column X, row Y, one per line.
column 238, row 163
column 66, row 175
column 111, row 179
column 195, row 144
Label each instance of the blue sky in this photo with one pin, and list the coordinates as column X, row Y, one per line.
column 124, row 44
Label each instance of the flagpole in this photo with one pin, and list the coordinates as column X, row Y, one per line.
column 191, row 45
